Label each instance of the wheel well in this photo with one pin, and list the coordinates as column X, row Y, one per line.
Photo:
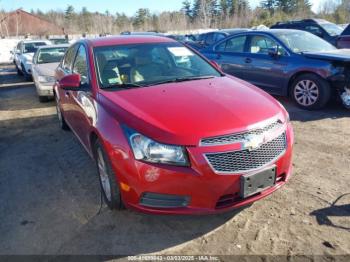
column 291, row 80
column 93, row 139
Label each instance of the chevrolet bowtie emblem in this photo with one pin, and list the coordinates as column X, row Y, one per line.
column 252, row 142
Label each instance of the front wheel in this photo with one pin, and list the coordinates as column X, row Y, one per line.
column 108, row 180
column 310, row 92
column 60, row 117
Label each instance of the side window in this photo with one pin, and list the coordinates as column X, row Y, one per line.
column 69, row 58
column 219, row 37
column 261, row 44
column 80, row 65
column 235, row 45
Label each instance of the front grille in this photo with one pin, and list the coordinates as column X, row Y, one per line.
column 235, row 138
column 245, row 160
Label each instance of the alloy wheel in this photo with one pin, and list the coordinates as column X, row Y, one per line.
column 103, row 173
column 306, row 92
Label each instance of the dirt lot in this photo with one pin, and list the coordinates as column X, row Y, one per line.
column 49, row 195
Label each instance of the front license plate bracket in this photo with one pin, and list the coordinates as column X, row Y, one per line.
column 254, row 183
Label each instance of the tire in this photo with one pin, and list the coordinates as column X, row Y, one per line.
column 310, row 92
column 19, row 72
column 62, row 121
column 108, row 181
column 43, row 99
column 25, row 74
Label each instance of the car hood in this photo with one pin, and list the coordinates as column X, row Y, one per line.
column 341, row 55
column 47, row 69
column 183, row 113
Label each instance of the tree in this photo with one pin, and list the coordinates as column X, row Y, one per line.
column 142, row 15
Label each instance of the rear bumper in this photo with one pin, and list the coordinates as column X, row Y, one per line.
column 202, row 189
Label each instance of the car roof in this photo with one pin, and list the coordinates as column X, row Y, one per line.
column 127, row 39
column 233, row 30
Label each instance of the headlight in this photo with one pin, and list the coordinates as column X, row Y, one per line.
column 46, row 79
column 149, row 150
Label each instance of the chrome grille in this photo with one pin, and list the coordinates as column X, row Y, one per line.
column 245, row 160
column 238, row 137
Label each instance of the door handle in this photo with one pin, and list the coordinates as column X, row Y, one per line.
column 248, row 60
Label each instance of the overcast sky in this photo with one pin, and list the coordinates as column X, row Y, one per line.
column 113, row 6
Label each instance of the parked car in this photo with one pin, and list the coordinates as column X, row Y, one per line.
column 45, row 62
column 23, row 56
column 343, row 40
column 183, row 38
column 322, row 28
column 168, row 138
column 206, row 39
column 59, row 41
column 287, row 62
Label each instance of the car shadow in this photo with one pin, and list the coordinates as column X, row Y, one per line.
column 333, row 110
column 323, row 215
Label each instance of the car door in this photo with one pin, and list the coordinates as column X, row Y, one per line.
column 263, row 69
column 230, row 55
column 64, row 96
column 83, row 109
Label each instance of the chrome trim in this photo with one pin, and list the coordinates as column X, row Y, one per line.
column 256, row 127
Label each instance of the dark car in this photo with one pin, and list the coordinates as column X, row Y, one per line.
column 183, row 38
column 322, row 28
column 287, row 62
column 344, row 39
column 206, row 39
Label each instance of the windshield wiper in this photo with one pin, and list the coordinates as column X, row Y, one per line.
column 122, row 86
column 181, row 79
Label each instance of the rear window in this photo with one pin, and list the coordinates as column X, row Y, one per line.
column 51, row 55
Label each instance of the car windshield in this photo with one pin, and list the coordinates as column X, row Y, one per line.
column 51, row 55
column 140, row 65
column 300, row 41
column 32, row 47
column 332, row 29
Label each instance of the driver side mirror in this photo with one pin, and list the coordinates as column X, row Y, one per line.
column 70, row 82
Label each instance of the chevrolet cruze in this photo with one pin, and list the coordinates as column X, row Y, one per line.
column 170, row 133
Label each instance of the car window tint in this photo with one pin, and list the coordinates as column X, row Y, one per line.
column 261, row 44
column 80, row 65
column 235, row 45
column 69, row 58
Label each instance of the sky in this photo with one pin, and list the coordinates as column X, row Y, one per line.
column 113, row 6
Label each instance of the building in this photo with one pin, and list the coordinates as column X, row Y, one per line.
column 21, row 23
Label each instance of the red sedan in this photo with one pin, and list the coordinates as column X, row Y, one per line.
column 170, row 133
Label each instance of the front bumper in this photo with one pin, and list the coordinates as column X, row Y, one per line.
column 199, row 185
column 44, row 89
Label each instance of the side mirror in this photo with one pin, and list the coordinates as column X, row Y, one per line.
column 215, row 64
column 273, row 52
column 70, row 82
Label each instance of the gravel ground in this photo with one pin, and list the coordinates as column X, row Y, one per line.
column 50, row 199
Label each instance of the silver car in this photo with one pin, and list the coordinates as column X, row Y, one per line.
column 45, row 61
